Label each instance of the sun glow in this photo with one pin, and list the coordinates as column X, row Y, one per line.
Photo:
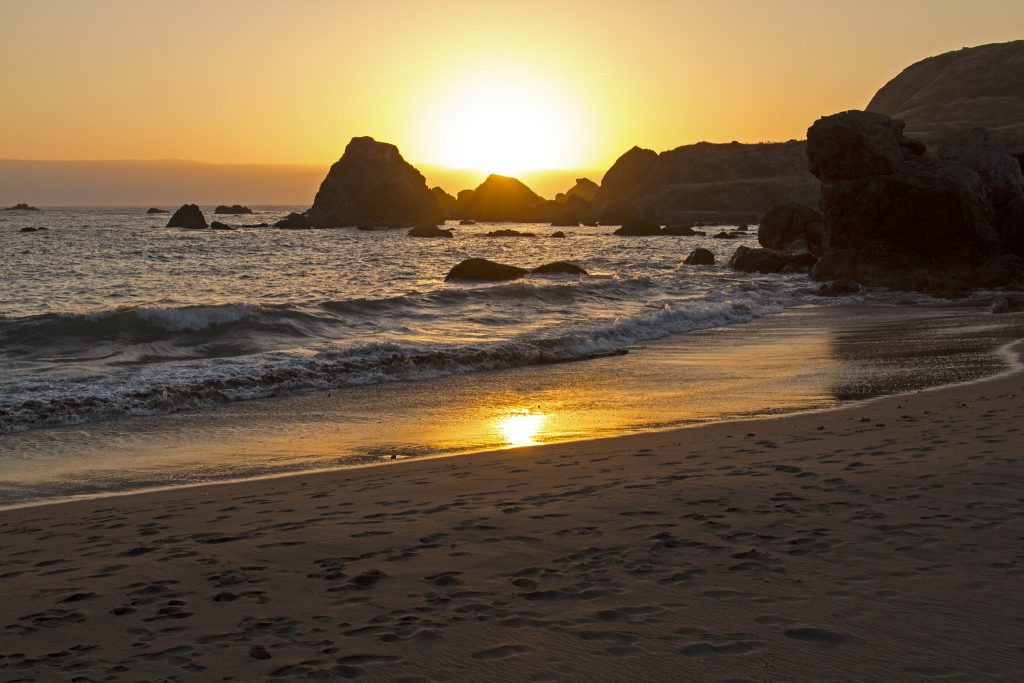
column 507, row 122
column 520, row 430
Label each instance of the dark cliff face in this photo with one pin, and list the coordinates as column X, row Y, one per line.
column 500, row 198
column 373, row 184
column 708, row 177
column 974, row 87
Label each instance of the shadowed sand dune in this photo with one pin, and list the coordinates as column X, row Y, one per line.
column 876, row 543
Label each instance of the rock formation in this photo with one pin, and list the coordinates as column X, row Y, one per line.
column 970, row 88
column 705, row 181
column 897, row 218
column 21, row 207
column 751, row 260
column 189, row 216
column 700, row 257
column 234, row 209
column 792, row 226
column 559, row 267
column 148, row 211
column 500, row 198
column 429, row 231
column 370, row 185
column 484, row 270
column 445, row 202
column 585, row 189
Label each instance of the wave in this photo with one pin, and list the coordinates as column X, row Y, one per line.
column 171, row 387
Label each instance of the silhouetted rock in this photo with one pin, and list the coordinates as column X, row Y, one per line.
column 914, row 222
column 217, row 225
column 572, row 212
column 189, row 216
column 234, row 209
column 294, row 221
column 21, row 207
column 978, row 150
column 500, row 198
column 157, row 211
column 700, row 257
column 638, row 228
column 857, row 144
column 751, row 260
column 783, row 226
column 584, row 189
column 723, row 235
column 370, row 185
column 33, row 230
column 482, row 269
column 445, row 202
column 706, row 179
column 840, row 287
column 678, row 231
column 429, row 231
column 559, row 267
column 466, row 221
column 558, row 234
column 509, row 233
column 974, row 87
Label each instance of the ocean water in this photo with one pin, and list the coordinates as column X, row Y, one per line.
column 109, row 313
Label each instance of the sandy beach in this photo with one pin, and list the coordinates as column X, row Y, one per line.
column 878, row 542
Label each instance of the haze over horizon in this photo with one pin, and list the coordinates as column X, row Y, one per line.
column 462, row 89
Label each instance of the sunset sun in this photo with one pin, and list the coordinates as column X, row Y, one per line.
column 498, row 121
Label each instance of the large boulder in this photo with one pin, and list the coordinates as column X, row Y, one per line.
column 584, row 189
column 189, row 216
column 429, row 231
column 784, row 226
column 483, row 270
column 700, row 257
column 980, row 151
column 973, row 87
column 500, row 198
column 638, row 228
column 857, row 144
column 752, row 260
column 371, row 185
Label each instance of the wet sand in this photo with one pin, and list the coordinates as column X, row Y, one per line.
column 877, row 542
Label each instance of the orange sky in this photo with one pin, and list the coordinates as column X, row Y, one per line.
column 448, row 82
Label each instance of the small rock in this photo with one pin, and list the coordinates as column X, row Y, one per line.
column 559, row 267
column 700, row 257
column 482, row 269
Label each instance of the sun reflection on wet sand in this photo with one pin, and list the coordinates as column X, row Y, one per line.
column 520, row 429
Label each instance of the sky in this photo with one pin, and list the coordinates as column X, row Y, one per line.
column 506, row 87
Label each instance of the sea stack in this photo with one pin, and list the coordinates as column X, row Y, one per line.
column 189, row 216
column 371, row 185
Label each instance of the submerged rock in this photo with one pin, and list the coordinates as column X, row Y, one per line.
column 217, row 225
column 509, row 233
column 482, row 269
column 700, row 257
column 233, row 209
column 189, row 216
column 559, row 267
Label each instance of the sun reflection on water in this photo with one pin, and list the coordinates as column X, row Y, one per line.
column 520, row 429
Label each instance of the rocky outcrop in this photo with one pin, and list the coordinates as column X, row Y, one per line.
column 217, row 225
column 500, row 198
column 638, row 228
column 792, row 226
column 974, row 87
column 980, row 151
column 700, row 257
column 895, row 218
column 21, row 207
column 154, row 210
column 678, row 231
column 585, row 189
column 234, row 209
column 559, row 268
column 445, row 202
column 429, row 231
column 370, row 185
column 701, row 182
column 189, row 216
column 483, row 270
column 751, row 260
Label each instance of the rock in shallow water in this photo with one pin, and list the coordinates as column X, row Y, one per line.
column 559, row 267
column 484, row 270
column 429, row 231
column 700, row 257
column 189, row 216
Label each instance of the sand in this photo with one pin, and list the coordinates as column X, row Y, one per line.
column 880, row 542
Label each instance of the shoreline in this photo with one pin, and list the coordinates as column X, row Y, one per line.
column 1014, row 360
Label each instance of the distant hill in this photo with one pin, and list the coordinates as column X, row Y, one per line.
column 973, row 87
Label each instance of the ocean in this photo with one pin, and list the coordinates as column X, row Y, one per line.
column 109, row 320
